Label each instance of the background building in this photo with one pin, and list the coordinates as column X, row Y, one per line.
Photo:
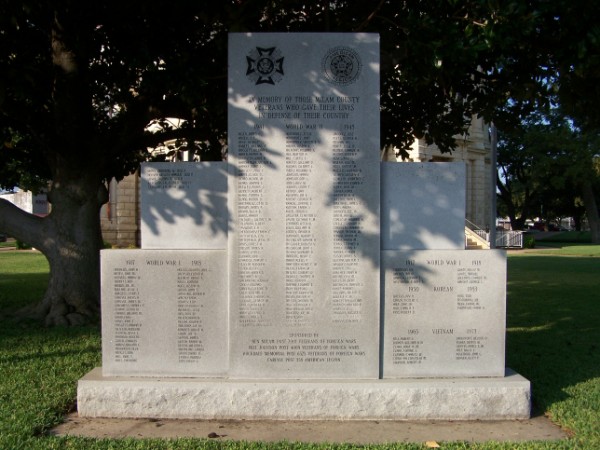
column 27, row 201
column 120, row 217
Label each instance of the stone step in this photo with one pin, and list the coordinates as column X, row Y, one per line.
column 502, row 398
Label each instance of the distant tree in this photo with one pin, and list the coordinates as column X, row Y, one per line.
column 591, row 193
column 545, row 167
column 562, row 202
column 81, row 81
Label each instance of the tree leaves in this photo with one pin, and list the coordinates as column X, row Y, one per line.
column 441, row 62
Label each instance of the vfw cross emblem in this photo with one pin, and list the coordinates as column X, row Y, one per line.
column 265, row 65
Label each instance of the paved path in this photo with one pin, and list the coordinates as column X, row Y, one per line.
column 358, row 432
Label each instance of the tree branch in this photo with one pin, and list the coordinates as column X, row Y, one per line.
column 20, row 224
column 365, row 22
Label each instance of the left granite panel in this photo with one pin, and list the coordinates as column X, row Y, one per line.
column 164, row 313
column 184, row 205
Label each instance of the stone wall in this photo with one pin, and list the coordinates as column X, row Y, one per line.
column 120, row 217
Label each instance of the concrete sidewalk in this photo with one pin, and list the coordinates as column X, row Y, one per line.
column 356, row 432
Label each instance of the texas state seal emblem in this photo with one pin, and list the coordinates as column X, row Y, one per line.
column 341, row 65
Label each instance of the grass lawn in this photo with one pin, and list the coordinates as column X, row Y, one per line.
column 547, row 248
column 553, row 335
column 553, row 339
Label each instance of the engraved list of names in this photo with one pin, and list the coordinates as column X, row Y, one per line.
column 164, row 312
column 304, row 184
column 444, row 313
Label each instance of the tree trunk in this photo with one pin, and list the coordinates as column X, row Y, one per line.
column 591, row 209
column 577, row 220
column 70, row 237
column 505, row 197
column 517, row 223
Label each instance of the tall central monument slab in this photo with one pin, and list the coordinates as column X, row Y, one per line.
column 304, row 248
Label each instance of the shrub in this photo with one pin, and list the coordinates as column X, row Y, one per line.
column 22, row 245
column 528, row 242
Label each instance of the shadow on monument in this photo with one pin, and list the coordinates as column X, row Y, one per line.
column 174, row 194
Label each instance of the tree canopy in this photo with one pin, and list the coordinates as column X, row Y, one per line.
column 80, row 82
column 545, row 167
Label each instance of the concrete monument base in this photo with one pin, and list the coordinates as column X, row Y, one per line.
column 505, row 398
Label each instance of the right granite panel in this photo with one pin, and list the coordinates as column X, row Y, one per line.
column 423, row 206
column 444, row 313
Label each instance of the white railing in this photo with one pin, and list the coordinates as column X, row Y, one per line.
column 504, row 238
column 482, row 234
column 509, row 239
